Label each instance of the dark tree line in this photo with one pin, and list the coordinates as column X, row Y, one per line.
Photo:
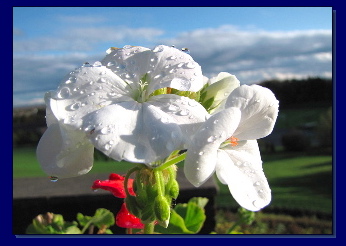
column 294, row 92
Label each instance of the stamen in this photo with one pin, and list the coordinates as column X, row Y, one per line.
column 233, row 141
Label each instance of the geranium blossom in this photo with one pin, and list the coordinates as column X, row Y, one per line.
column 114, row 105
column 226, row 144
column 115, row 184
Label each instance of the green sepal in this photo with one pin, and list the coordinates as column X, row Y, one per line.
column 133, row 206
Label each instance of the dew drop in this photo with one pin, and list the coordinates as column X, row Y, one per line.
column 157, row 76
column 75, row 106
column 127, row 47
column 112, row 94
column 184, row 112
column 180, row 64
column 105, row 130
column 211, row 139
column 257, row 183
column 172, row 58
column 261, row 191
column 158, row 49
column 107, row 146
column 64, row 93
column 190, row 64
column 102, row 80
column 257, row 101
column 216, row 121
column 185, row 50
column 97, row 64
column 173, row 107
column 53, row 178
column 70, row 80
column 111, row 64
column 201, row 153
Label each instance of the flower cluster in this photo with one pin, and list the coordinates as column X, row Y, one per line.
column 147, row 106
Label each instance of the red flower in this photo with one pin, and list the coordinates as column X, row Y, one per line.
column 127, row 220
column 114, row 184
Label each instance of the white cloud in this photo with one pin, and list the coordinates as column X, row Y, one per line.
column 263, row 54
column 85, row 39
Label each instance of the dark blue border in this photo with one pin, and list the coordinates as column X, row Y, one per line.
column 6, row 124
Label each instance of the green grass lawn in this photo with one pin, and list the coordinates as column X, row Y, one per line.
column 298, row 181
column 25, row 165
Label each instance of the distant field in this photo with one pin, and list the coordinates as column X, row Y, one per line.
column 297, row 181
column 25, row 164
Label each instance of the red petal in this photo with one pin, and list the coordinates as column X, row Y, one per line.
column 115, row 184
column 125, row 219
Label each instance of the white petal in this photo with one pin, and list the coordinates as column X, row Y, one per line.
column 64, row 153
column 130, row 63
column 86, row 90
column 259, row 109
column 202, row 151
column 132, row 131
column 174, row 68
column 185, row 112
column 241, row 170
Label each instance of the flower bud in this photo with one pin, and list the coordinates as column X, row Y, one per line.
column 162, row 210
column 148, row 214
column 173, row 189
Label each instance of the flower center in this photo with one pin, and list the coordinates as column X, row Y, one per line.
column 233, row 141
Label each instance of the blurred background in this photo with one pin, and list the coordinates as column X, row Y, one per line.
column 286, row 49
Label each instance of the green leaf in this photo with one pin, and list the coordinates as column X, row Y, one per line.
column 73, row 230
column 103, row 217
column 83, row 219
column 176, row 225
column 186, row 218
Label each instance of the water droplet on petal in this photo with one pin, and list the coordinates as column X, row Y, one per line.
column 107, row 146
column 216, row 121
column 53, row 178
column 64, row 93
column 111, row 63
column 71, row 80
column 127, row 46
column 190, row 64
column 211, row 139
column 75, row 106
column 184, row 112
column 105, row 130
column 173, row 107
column 172, row 58
column 164, row 120
column 97, row 64
column 257, row 101
column 158, row 49
column 257, row 183
column 201, row 153
column 185, row 50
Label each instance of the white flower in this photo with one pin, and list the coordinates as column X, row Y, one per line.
column 226, row 144
column 115, row 105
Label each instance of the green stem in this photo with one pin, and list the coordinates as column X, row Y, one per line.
column 172, row 162
column 127, row 179
column 149, row 228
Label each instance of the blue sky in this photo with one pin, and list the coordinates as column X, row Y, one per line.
column 253, row 43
